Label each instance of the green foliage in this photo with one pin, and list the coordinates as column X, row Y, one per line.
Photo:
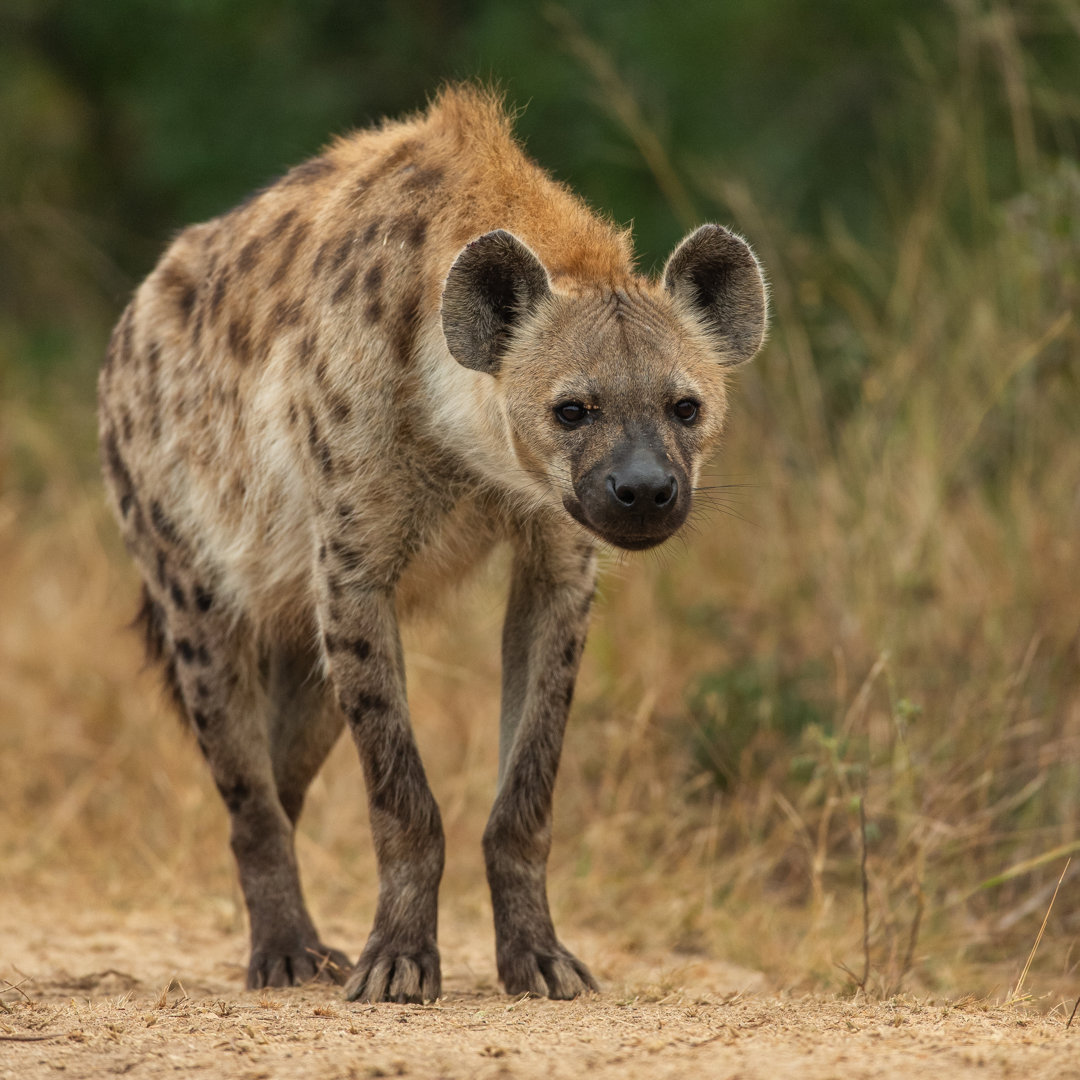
column 126, row 120
column 747, row 720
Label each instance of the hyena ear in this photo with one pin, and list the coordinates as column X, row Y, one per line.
column 494, row 282
column 718, row 277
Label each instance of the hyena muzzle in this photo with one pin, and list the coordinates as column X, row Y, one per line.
column 330, row 403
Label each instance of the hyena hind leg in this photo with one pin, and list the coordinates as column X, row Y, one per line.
column 305, row 722
column 215, row 669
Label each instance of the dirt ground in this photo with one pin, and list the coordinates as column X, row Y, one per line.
column 155, row 992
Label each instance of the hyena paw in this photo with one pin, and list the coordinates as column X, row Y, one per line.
column 296, row 964
column 552, row 972
column 396, row 972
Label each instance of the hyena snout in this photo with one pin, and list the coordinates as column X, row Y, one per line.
column 636, row 500
column 644, row 484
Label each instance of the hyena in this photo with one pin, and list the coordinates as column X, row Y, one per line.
column 327, row 405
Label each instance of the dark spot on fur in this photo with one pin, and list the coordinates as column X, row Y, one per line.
column 153, row 389
column 249, row 255
column 201, row 689
column 340, row 409
column 334, row 587
column 373, row 279
column 319, row 448
column 345, row 510
column 359, row 190
column 294, row 414
column 162, row 576
column 341, row 253
column 202, row 656
column 320, row 373
column 151, row 619
column 322, row 553
column 204, row 599
column 217, row 297
column 321, row 255
column 369, row 234
column 351, row 558
column 182, row 289
column 177, row 594
column 115, row 464
column 364, row 706
column 404, row 333
column 127, row 428
column 127, row 338
column 569, row 694
column 201, row 719
column 425, row 179
column 358, row 647
column 401, row 151
column 373, row 312
column 286, row 313
column 570, row 652
column 417, row 232
column 163, row 524
column 282, row 223
column 240, row 339
column 308, row 173
column 344, row 286
column 234, row 794
column 186, row 650
column 288, row 254
column 125, row 504
column 307, row 347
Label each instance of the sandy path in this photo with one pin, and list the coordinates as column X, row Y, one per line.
column 93, row 981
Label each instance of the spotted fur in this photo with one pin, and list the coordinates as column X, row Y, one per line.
column 329, row 404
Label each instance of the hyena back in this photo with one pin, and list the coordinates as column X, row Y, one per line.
column 325, row 406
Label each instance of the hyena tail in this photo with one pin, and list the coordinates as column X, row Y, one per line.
column 150, row 621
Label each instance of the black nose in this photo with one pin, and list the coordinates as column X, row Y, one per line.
column 643, row 484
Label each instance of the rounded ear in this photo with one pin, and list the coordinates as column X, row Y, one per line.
column 718, row 277
column 494, row 282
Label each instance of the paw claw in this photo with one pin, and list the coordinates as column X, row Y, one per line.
column 296, row 964
column 551, row 972
column 396, row 974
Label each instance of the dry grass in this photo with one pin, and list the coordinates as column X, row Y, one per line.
column 876, row 619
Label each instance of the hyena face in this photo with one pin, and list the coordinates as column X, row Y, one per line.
column 612, row 397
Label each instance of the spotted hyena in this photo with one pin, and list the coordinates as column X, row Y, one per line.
column 327, row 405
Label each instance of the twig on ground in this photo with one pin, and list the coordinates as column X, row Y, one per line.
column 865, row 894
column 1038, row 937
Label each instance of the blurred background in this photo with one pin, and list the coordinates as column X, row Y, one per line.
column 833, row 736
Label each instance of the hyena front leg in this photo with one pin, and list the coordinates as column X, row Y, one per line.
column 400, row 961
column 544, row 633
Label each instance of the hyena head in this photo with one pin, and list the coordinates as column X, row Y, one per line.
column 613, row 396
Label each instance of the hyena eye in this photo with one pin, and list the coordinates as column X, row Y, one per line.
column 687, row 410
column 571, row 413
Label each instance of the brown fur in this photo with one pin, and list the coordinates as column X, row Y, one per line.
column 329, row 404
